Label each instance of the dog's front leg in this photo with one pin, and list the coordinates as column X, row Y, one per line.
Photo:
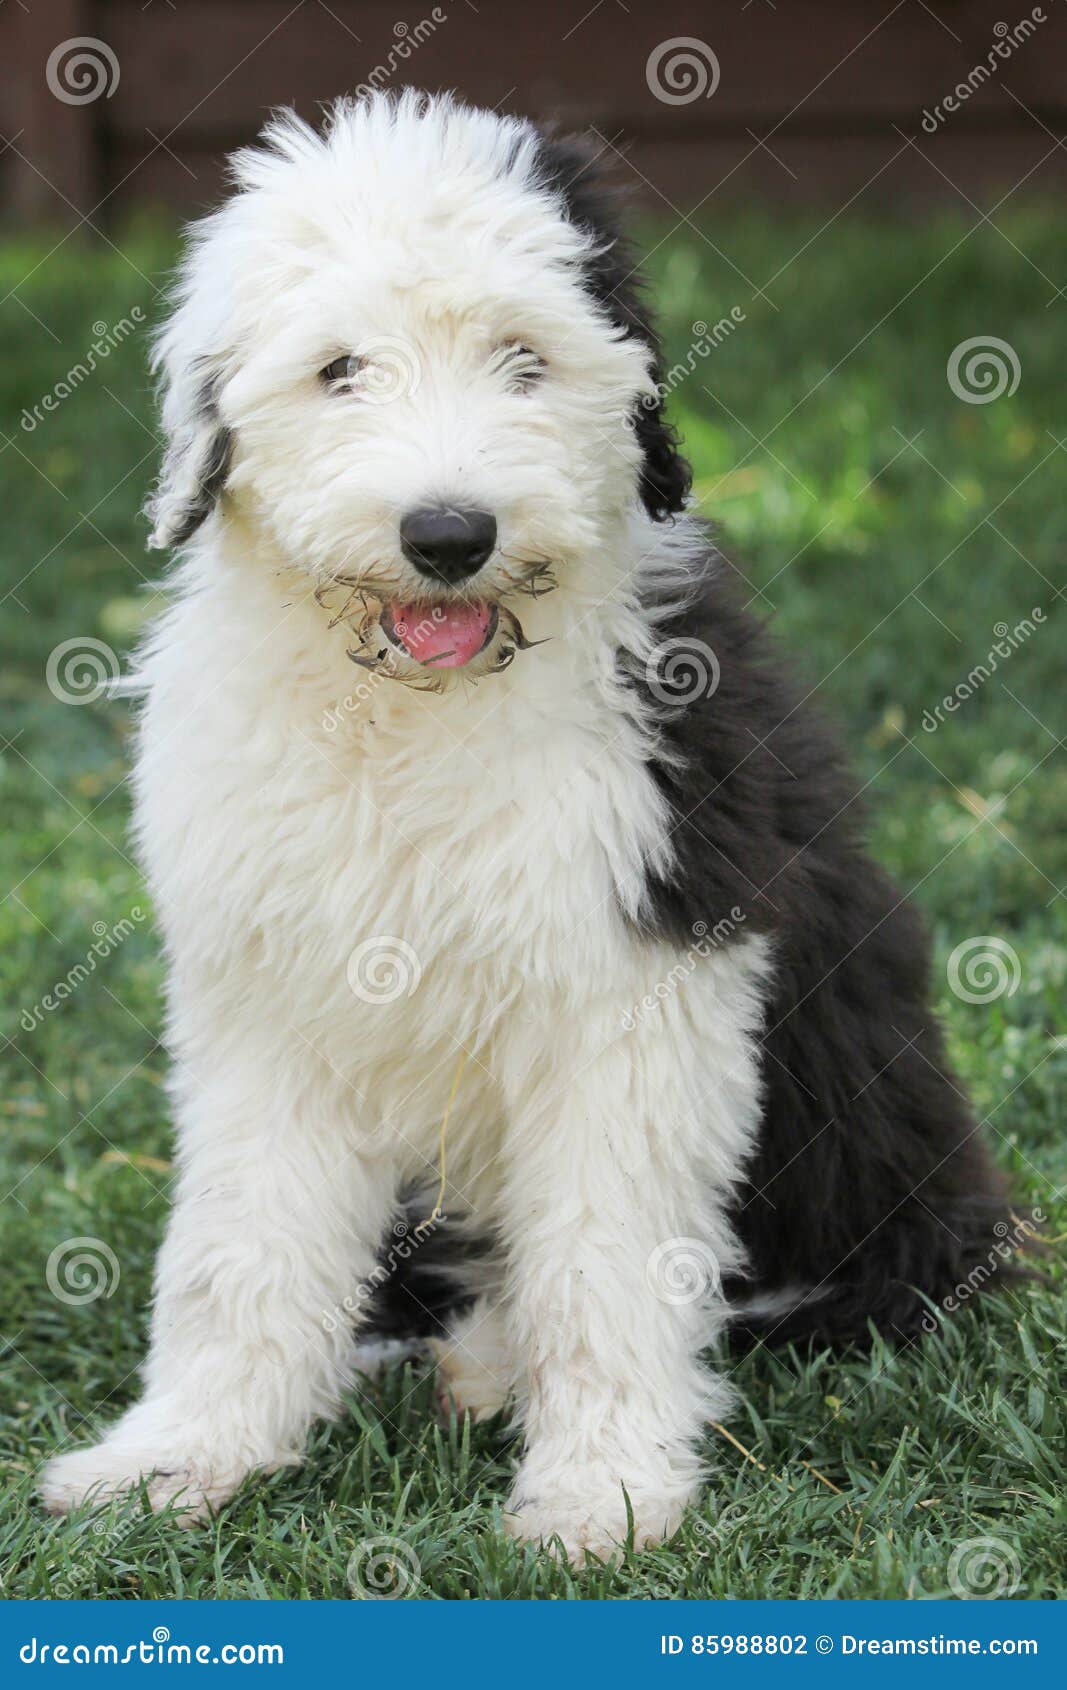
column 616, row 1166
column 276, row 1224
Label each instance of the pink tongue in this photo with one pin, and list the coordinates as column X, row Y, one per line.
column 446, row 636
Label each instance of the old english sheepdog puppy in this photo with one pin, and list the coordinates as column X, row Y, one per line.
column 513, row 898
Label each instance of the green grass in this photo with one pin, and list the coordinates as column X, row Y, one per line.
column 886, row 566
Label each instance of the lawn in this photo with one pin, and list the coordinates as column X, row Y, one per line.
column 891, row 529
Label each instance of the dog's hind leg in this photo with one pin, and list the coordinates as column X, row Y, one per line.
column 871, row 1198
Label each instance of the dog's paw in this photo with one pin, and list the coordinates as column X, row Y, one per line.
column 594, row 1523
column 107, row 1470
column 475, row 1365
column 464, row 1385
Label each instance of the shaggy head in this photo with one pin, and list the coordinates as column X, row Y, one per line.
column 410, row 357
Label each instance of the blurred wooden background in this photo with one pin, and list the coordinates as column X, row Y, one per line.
column 814, row 100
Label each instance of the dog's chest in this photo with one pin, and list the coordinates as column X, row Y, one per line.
column 497, row 849
column 402, row 873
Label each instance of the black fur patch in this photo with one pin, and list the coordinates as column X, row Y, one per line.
column 869, row 1180
column 212, row 479
column 416, row 1291
column 211, row 471
column 567, row 169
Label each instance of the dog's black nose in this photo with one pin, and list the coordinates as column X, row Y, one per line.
column 447, row 544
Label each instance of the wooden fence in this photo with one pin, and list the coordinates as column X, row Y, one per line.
column 799, row 99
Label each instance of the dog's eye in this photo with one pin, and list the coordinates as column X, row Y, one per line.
column 343, row 370
column 522, row 366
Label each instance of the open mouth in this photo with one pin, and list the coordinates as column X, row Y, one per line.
column 416, row 640
column 441, row 636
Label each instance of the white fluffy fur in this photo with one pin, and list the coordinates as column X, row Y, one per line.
column 289, row 807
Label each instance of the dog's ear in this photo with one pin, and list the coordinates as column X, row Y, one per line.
column 197, row 456
column 666, row 476
column 568, row 168
column 189, row 363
